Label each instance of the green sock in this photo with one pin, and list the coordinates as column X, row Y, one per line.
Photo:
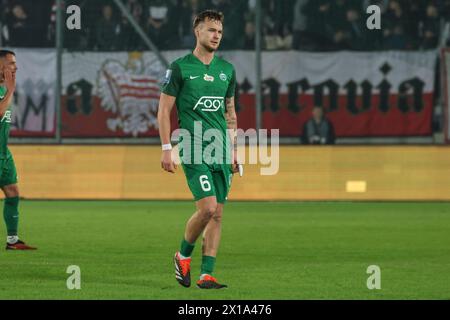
column 11, row 215
column 208, row 264
column 186, row 248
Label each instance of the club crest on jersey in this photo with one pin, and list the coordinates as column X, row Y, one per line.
column 223, row 76
column 7, row 117
column 208, row 78
column 209, row 104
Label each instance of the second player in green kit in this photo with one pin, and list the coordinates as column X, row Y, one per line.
column 8, row 175
column 202, row 87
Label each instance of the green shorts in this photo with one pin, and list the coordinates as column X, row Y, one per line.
column 204, row 181
column 8, row 173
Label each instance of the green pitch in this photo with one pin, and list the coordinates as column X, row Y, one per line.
column 272, row 250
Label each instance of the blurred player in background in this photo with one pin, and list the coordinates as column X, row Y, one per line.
column 8, row 175
column 202, row 87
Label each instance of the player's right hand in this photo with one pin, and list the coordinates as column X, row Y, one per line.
column 167, row 162
column 10, row 81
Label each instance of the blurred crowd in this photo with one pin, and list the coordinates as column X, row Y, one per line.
column 313, row 25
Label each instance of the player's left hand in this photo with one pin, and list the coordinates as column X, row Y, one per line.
column 167, row 162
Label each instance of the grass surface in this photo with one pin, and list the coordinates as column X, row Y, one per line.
column 272, row 250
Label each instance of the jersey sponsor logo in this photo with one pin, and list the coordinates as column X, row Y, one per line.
column 210, row 104
column 193, row 77
column 223, row 76
column 7, row 117
column 208, row 78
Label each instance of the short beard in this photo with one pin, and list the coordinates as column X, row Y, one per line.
column 208, row 48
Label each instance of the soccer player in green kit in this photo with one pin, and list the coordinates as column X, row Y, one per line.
column 202, row 87
column 8, row 175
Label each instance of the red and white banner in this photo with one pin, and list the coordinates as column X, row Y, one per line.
column 365, row 94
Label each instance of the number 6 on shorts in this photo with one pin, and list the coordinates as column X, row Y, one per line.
column 206, row 186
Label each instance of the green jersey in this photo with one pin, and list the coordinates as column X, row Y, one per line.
column 4, row 127
column 200, row 92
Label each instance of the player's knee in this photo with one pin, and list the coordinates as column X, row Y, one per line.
column 209, row 211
